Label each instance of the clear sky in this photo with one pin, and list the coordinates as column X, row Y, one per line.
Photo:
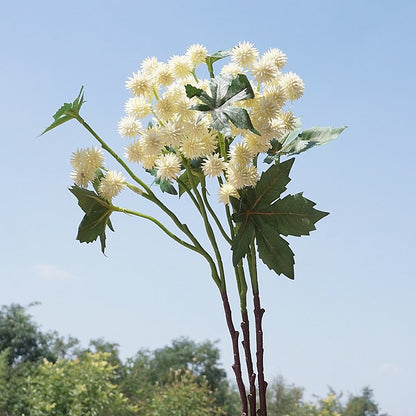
column 348, row 319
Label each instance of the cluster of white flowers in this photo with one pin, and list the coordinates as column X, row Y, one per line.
column 85, row 163
column 177, row 132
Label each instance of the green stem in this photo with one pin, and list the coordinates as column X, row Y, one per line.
column 152, row 197
column 214, row 215
column 113, row 153
column 158, row 223
column 207, row 225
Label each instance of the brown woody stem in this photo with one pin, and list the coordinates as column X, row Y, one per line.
column 258, row 313
column 247, row 350
column 237, row 363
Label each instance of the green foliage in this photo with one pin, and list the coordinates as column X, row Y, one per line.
column 97, row 216
column 210, row 59
column 225, row 91
column 284, row 399
column 67, row 112
column 76, row 387
column 22, row 338
column 183, row 396
column 315, row 136
column 260, row 212
column 295, row 142
column 362, row 405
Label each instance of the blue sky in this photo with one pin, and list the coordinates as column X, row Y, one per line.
column 348, row 318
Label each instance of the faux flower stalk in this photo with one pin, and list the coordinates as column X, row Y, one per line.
column 234, row 131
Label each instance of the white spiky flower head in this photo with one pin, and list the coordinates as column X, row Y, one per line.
column 172, row 132
column 213, row 165
column 293, row 85
column 81, row 177
column 244, row 54
column 138, row 107
column 163, row 75
column 197, row 54
column 168, row 166
column 165, row 108
column 180, row 65
column 257, row 144
column 226, row 190
column 232, row 68
column 152, row 141
column 242, row 176
column 150, row 65
column 277, row 56
column 264, row 70
column 111, row 184
column 140, row 84
column 129, row 127
column 85, row 162
column 87, row 159
column 240, row 155
column 134, row 152
column 288, row 120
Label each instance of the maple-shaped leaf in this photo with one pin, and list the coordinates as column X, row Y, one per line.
column 96, row 218
column 225, row 91
column 262, row 213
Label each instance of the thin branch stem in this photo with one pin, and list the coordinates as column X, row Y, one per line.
column 207, row 225
column 214, row 215
column 159, row 224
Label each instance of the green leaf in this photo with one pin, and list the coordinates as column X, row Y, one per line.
column 225, row 91
column 275, row 252
column 96, row 218
column 210, row 59
column 165, row 185
column 273, row 182
column 67, row 112
column 292, row 215
column 315, row 136
column 263, row 212
column 275, row 152
column 242, row 240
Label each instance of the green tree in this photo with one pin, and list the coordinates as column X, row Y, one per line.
column 362, row 405
column 284, row 399
column 79, row 387
column 24, row 340
column 183, row 395
column 153, row 368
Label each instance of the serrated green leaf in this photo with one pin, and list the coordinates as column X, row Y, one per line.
column 275, row 150
column 262, row 210
column 67, row 112
column 242, row 240
column 292, row 215
column 96, row 218
column 225, row 90
column 275, row 252
column 315, row 136
column 273, row 183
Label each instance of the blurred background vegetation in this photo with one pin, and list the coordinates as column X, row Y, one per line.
column 43, row 373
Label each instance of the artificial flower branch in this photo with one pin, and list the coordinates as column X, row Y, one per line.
column 220, row 127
